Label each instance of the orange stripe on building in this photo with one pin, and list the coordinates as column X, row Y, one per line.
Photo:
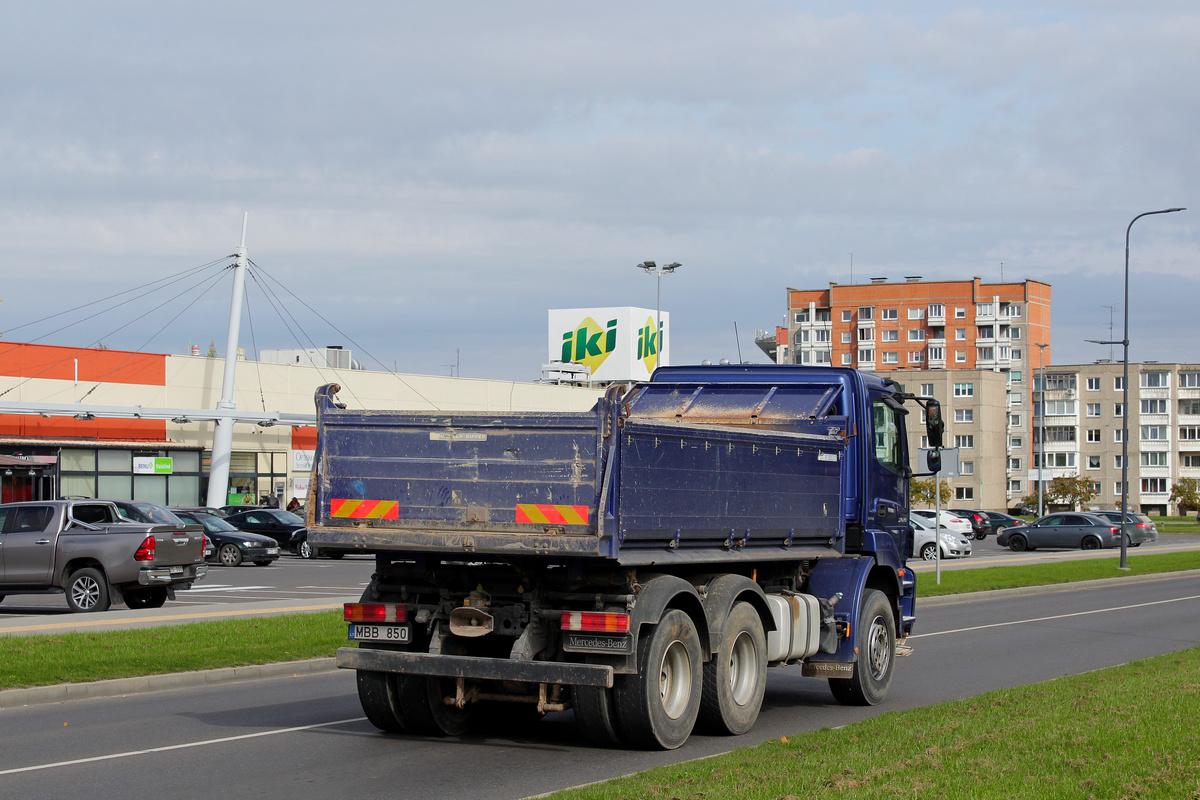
column 364, row 509
column 552, row 514
column 52, row 362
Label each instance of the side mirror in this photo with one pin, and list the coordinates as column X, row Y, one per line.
column 935, row 426
column 933, row 461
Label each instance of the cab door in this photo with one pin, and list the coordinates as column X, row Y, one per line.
column 888, row 465
column 29, row 541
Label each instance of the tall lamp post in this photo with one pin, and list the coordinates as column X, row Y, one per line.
column 653, row 269
column 1041, row 422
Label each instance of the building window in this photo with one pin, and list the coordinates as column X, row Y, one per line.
column 1154, row 459
column 1093, row 462
column 891, row 358
column 1093, row 409
column 1154, row 406
column 1057, row 381
column 1016, row 354
column 822, row 315
column 916, row 313
column 1189, row 380
column 1014, row 464
column 916, row 358
column 801, row 316
column 1055, row 408
column 960, row 313
column 960, row 356
column 964, row 415
column 1117, row 462
column 866, row 313
column 926, row 390
column 889, row 336
column 1119, row 383
column 1014, row 375
column 1013, row 310
column 866, row 334
column 1095, row 487
column 1117, row 434
column 1015, row 399
column 866, row 355
column 846, row 314
column 937, row 354
column 964, row 390
column 1016, row 442
column 822, row 356
column 960, row 334
column 1154, row 433
column 1014, row 420
column 889, row 314
column 846, row 337
column 1154, row 485
column 1189, row 433
column 1055, row 433
column 1015, row 486
column 1118, row 487
column 1119, row 410
column 984, row 310
column 964, row 492
column 1191, row 462
column 1014, row 333
column 1155, row 380
column 916, row 335
column 985, row 353
column 1189, row 406
column 1093, row 435
column 964, row 441
column 966, row 467
column 823, row 336
column 847, row 360
column 1093, row 384
column 984, row 332
column 1054, row 460
column 937, row 309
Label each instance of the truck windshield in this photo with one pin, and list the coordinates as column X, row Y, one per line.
column 887, row 437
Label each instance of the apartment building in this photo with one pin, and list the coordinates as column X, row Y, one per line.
column 1080, row 408
column 962, row 326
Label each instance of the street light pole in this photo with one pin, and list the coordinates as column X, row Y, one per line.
column 1125, row 389
column 653, row 269
column 1041, row 422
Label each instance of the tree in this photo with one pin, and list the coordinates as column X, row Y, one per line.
column 1074, row 490
column 1185, row 493
column 212, row 349
column 920, row 493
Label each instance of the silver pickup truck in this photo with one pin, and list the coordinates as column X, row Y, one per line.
column 85, row 549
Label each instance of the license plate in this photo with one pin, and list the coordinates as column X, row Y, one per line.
column 379, row 633
column 176, row 570
column 272, row 551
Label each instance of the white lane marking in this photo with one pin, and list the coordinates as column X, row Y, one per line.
column 185, row 745
column 228, row 589
column 1057, row 616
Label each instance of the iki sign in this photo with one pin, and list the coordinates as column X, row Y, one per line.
column 617, row 344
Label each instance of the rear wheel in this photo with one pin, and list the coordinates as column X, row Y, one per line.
column 875, row 642
column 1018, row 543
column 979, row 537
column 87, row 590
column 379, row 694
column 1090, row 543
column 266, row 562
column 657, row 707
column 736, row 676
column 152, row 597
column 424, row 710
column 230, row 555
column 336, row 556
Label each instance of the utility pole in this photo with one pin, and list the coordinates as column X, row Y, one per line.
column 222, row 448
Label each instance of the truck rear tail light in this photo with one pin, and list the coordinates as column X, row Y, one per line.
column 145, row 551
column 374, row 612
column 595, row 622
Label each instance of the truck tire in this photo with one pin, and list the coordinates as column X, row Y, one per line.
column 423, row 708
column 595, row 713
column 152, row 597
column 229, row 555
column 875, row 642
column 658, row 706
column 87, row 590
column 736, row 676
column 379, row 694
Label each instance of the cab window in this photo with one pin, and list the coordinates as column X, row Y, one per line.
column 887, row 437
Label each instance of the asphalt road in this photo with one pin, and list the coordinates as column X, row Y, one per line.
column 304, row 737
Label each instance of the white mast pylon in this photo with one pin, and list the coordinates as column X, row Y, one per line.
column 222, row 447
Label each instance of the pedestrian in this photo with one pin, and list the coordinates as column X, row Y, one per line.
column 293, row 504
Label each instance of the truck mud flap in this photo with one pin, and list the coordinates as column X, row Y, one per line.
column 471, row 667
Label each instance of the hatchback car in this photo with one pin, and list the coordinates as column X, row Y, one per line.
column 273, row 522
column 953, row 545
column 980, row 527
column 300, row 546
column 1139, row 527
column 947, row 520
column 1064, row 529
column 231, row 545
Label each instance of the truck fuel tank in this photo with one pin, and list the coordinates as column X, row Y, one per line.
column 797, row 631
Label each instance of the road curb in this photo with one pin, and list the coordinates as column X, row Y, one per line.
column 39, row 695
column 1047, row 588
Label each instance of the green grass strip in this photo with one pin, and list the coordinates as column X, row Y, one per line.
column 1124, row 732
column 960, row 581
column 43, row 660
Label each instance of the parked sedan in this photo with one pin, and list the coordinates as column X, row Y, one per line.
column 300, row 546
column 953, row 545
column 273, row 522
column 231, row 545
column 999, row 520
column 1064, row 529
column 947, row 520
column 1139, row 527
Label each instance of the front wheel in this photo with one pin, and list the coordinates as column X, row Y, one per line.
column 657, row 707
column 735, row 678
column 929, row 551
column 304, row 550
column 875, row 642
column 230, row 555
column 87, row 590
column 1018, row 543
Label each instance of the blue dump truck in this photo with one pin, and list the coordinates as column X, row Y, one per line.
column 642, row 563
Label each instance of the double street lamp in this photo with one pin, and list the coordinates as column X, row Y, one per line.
column 1125, row 388
column 653, row 269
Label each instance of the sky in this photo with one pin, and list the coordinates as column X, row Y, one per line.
column 424, row 181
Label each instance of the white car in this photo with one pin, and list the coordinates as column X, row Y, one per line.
column 946, row 520
column 953, row 545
